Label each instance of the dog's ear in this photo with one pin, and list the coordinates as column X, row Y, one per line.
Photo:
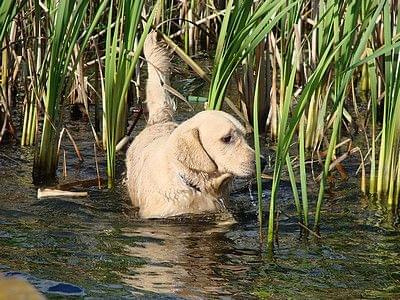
column 190, row 152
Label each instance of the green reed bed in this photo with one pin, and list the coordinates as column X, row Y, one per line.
column 35, row 58
column 241, row 32
column 66, row 21
column 341, row 31
column 8, row 10
column 388, row 184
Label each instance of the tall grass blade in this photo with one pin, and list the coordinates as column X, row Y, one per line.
column 258, row 148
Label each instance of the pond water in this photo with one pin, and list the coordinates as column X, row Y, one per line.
column 95, row 247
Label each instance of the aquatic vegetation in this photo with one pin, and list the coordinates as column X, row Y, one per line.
column 35, row 72
column 241, row 32
column 7, row 12
column 388, row 177
column 121, row 58
column 66, row 19
column 343, row 30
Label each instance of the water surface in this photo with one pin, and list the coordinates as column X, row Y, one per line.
column 96, row 247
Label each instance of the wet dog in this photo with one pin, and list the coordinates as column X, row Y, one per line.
column 182, row 169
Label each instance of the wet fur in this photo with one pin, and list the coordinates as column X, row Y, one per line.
column 179, row 169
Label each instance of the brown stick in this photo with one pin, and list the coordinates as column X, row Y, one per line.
column 65, row 165
column 78, row 153
column 97, row 166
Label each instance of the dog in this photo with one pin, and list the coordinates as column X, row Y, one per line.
column 188, row 168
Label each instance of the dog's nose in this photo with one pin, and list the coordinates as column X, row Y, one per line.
column 263, row 162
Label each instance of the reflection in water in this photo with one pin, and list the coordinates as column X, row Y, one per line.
column 184, row 260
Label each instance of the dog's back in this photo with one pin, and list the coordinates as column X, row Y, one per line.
column 142, row 151
column 142, row 158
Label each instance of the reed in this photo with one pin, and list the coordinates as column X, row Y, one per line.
column 121, row 58
column 8, row 10
column 241, row 32
column 345, row 59
column 388, row 184
column 372, row 87
column 288, row 125
column 337, row 28
column 335, row 57
column 67, row 19
column 257, row 146
column 34, row 83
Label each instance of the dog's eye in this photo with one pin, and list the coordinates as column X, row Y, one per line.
column 227, row 139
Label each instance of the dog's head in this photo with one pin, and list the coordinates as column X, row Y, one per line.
column 213, row 142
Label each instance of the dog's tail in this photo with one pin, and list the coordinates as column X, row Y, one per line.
column 160, row 105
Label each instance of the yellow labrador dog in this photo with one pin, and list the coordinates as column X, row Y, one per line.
column 182, row 169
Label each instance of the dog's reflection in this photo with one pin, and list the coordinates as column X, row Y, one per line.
column 187, row 260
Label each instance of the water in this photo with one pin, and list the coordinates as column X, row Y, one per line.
column 96, row 247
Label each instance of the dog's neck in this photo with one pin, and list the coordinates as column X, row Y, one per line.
column 209, row 186
column 190, row 184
